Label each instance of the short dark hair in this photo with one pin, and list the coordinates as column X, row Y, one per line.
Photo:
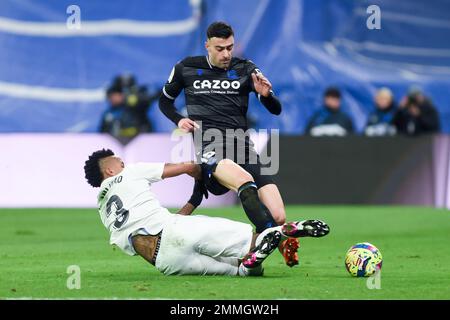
column 332, row 92
column 219, row 29
column 92, row 170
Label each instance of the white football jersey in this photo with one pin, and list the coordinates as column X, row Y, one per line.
column 127, row 205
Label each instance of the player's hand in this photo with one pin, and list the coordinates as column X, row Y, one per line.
column 187, row 209
column 188, row 125
column 261, row 84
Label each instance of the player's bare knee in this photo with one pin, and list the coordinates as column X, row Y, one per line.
column 226, row 163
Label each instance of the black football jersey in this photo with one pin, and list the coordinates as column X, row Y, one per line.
column 217, row 97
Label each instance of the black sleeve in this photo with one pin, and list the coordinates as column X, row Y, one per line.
column 175, row 83
column 271, row 103
column 170, row 92
column 167, row 107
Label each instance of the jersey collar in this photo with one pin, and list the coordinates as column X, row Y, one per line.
column 209, row 63
column 217, row 68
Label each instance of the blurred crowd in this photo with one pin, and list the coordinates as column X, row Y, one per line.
column 415, row 114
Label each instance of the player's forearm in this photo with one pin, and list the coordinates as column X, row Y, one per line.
column 176, row 169
column 187, row 209
column 271, row 103
column 167, row 107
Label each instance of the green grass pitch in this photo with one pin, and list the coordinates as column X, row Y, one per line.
column 38, row 245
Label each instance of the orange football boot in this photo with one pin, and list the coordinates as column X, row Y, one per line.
column 288, row 249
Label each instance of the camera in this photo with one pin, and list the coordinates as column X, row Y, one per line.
column 413, row 99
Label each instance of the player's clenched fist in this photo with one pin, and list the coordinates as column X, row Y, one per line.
column 187, row 125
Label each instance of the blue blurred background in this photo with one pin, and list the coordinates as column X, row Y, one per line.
column 52, row 82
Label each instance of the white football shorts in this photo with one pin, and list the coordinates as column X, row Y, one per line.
column 202, row 245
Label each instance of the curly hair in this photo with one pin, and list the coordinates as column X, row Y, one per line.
column 92, row 170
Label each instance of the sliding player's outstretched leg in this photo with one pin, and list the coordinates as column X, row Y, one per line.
column 252, row 262
column 297, row 229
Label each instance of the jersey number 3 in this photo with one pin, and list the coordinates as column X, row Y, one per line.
column 115, row 205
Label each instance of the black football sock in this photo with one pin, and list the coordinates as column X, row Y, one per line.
column 256, row 211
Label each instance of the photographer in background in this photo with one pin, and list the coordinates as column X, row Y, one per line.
column 416, row 114
column 126, row 116
column 330, row 120
column 379, row 122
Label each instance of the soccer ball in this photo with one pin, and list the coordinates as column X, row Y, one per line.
column 363, row 260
